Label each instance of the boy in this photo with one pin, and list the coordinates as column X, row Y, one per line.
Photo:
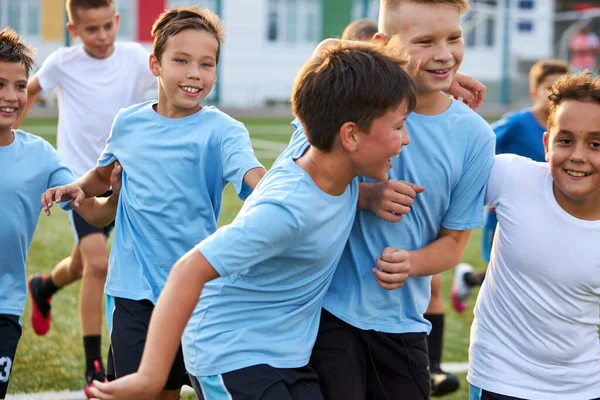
column 518, row 133
column 535, row 332
column 372, row 341
column 176, row 150
column 361, row 30
column 28, row 166
column 96, row 79
column 252, row 331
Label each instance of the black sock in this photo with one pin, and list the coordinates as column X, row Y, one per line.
column 92, row 345
column 434, row 341
column 474, row 278
column 47, row 288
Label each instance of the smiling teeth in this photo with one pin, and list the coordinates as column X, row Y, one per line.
column 8, row 110
column 190, row 89
column 577, row 173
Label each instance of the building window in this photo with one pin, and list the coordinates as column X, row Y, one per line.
column 526, row 4
column 479, row 24
column 127, row 21
column 525, row 26
column 294, row 21
column 23, row 16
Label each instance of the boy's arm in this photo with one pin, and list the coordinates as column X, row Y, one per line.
column 388, row 200
column 172, row 312
column 100, row 212
column 254, row 176
column 443, row 253
column 469, row 89
column 33, row 89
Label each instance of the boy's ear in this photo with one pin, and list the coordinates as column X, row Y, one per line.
column 71, row 29
column 380, row 38
column 117, row 19
column 545, row 140
column 349, row 136
column 154, row 65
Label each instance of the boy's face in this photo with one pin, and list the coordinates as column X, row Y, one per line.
column 573, row 151
column 97, row 29
column 13, row 92
column 540, row 96
column 432, row 36
column 187, row 69
column 383, row 142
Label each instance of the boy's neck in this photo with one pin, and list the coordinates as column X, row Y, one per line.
column 540, row 113
column 432, row 103
column 171, row 112
column 327, row 170
column 587, row 210
column 6, row 136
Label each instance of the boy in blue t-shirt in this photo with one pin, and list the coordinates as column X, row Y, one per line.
column 520, row 133
column 177, row 156
column 28, row 166
column 261, row 279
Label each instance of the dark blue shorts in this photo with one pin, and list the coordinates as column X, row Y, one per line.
column 10, row 333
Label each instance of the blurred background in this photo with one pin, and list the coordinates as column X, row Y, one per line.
column 268, row 40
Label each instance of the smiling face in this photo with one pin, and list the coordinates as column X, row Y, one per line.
column 97, row 29
column 573, row 153
column 384, row 141
column 187, row 71
column 13, row 93
column 432, row 36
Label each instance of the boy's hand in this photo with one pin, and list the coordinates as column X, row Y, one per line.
column 391, row 199
column 129, row 387
column 392, row 268
column 471, row 91
column 62, row 193
column 116, row 179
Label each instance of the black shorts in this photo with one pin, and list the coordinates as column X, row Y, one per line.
column 128, row 324
column 10, row 333
column 485, row 395
column 81, row 228
column 353, row 364
column 260, row 382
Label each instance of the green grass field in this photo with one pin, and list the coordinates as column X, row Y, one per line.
column 55, row 362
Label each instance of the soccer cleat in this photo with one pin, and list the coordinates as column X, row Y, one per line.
column 443, row 383
column 97, row 374
column 461, row 291
column 41, row 316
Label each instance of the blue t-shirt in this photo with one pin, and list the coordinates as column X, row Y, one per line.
column 520, row 133
column 28, row 166
column 451, row 155
column 275, row 261
column 174, row 173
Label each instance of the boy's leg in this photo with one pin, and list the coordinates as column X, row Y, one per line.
column 260, row 382
column 10, row 333
column 129, row 323
column 441, row 382
column 339, row 357
column 398, row 366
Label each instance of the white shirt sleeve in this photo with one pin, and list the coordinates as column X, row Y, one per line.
column 49, row 73
column 497, row 178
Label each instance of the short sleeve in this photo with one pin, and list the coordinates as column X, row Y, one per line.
column 59, row 173
column 248, row 240
column 237, row 157
column 504, row 130
column 107, row 156
column 49, row 73
column 497, row 178
column 466, row 200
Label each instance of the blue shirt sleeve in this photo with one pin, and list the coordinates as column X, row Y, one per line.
column 466, row 201
column 59, row 173
column 108, row 155
column 261, row 232
column 237, row 157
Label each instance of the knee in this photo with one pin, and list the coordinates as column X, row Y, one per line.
column 96, row 267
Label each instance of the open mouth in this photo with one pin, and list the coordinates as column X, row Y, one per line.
column 577, row 174
column 7, row 110
column 439, row 72
column 191, row 89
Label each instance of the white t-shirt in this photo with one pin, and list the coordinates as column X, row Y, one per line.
column 535, row 332
column 91, row 92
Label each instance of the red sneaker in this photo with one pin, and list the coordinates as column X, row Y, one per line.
column 96, row 375
column 41, row 317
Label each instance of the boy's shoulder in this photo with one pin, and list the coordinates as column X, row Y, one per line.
column 519, row 167
column 469, row 121
column 32, row 143
column 134, row 111
column 514, row 117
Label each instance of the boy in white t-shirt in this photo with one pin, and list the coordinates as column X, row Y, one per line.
column 535, row 332
column 96, row 79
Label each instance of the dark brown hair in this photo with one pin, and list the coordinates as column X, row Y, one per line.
column 12, row 49
column 175, row 20
column 543, row 68
column 348, row 82
column 74, row 5
column 361, row 30
column 579, row 87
